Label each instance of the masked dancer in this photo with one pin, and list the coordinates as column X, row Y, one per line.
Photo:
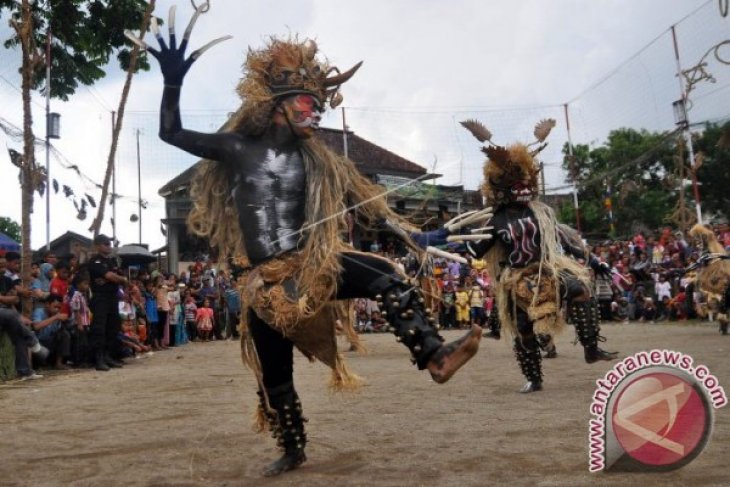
column 274, row 196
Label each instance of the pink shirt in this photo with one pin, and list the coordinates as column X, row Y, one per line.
column 204, row 313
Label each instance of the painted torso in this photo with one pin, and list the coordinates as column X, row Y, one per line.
column 517, row 230
column 270, row 198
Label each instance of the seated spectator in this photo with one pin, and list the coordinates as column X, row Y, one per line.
column 141, row 328
column 620, row 309
column 131, row 341
column 23, row 340
column 362, row 321
column 649, row 311
column 60, row 282
column 377, row 322
column 49, row 324
column 676, row 306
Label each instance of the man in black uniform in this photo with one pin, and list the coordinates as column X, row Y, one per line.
column 105, row 279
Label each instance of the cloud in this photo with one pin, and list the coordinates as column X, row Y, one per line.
column 428, row 64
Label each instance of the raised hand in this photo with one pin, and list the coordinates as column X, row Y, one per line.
column 449, row 232
column 172, row 60
column 476, row 217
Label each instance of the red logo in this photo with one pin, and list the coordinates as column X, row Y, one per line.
column 661, row 420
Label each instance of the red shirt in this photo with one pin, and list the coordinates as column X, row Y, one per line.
column 59, row 287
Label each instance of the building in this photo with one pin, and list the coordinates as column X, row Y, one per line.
column 68, row 243
column 405, row 183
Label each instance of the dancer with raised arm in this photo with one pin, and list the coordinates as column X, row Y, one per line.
column 272, row 195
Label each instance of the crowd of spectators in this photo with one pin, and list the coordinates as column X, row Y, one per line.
column 648, row 283
column 156, row 311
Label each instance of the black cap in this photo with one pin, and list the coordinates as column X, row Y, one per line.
column 102, row 239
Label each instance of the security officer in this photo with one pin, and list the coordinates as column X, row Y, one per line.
column 105, row 279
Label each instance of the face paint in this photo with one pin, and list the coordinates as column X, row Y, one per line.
column 303, row 113
column 521, row 193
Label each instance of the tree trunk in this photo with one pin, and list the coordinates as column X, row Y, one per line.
column 96, row 224
column 25, row 32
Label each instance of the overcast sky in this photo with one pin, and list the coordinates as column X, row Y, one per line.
column 427, row 65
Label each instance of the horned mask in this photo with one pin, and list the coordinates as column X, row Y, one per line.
column 510, row 172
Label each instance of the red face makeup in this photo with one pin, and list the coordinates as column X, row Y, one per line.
column 303, row 113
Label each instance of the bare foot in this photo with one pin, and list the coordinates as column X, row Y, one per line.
column 450, row 357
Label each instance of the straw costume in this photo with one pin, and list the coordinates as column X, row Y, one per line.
column 534, row 264
column 713, row 271
column 271, row 194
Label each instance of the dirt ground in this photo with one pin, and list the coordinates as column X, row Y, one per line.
column 182, row 417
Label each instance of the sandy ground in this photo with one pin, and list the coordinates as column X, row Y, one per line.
column 182, row 417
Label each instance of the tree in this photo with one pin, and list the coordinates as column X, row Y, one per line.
column 638, row 165
column 713, row 174
column 10, row 227
column 86, row 34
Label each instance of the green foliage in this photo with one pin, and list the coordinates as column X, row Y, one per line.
column 86, row 33
column 714, row 174
column 636, row 164
column 10, row 227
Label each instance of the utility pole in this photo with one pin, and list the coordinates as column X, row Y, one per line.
column 344, row 134
column 542, row 178
column 48, row 141
column 139, row 190
column 573, row 173
column 114, row 187
column 684, row 122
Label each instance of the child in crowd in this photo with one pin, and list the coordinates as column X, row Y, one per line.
column 163, row 311
column 131, row 341
column 150, row 307
column 448, row 313
column 476, row 304
column 204, row 320
column 80, row 318
column 649, row 312
column 377, row 322
column 190, row 310
column 142, row 329
column 489, row 302
column 462, row 307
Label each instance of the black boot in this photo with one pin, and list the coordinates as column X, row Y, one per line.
column 494, row 326
column 547, row 345
column 287, row 426
column 415, row 326
column 412, row 324
column 584, row 315
column 528, row 356
column 723, row 319
column 114, row 364
column 100, row 362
